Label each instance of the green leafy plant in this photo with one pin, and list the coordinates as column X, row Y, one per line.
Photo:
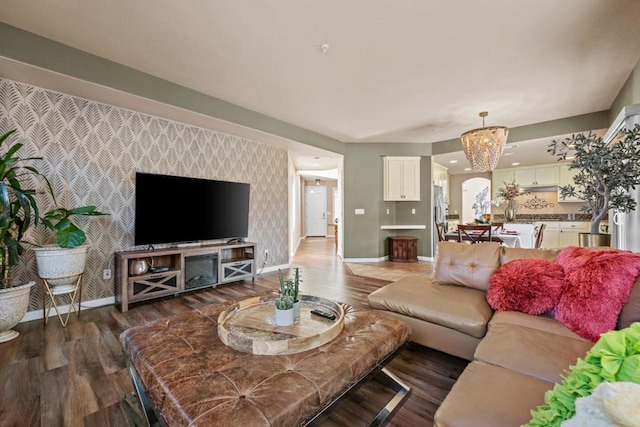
column 285, row 302
column 67, row 234
column 615, row 357
column 18, row 206
column 606, row 171
column 290, row 286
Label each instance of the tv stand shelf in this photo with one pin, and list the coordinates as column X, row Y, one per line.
column 189, row 268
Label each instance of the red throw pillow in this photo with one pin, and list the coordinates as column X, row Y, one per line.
column 598, row 286
column 531, row 286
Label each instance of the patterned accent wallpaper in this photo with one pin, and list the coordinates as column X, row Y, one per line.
column 91, row 152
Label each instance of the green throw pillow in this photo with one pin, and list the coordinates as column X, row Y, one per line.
column 615, row 357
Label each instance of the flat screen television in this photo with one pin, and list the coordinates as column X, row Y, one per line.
column 174, row 209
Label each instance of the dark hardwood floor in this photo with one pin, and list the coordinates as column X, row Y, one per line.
column 77, row 376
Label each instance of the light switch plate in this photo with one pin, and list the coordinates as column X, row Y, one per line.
column 413, row 211
column 359, row 211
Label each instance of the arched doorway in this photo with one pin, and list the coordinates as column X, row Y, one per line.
column 470, row 189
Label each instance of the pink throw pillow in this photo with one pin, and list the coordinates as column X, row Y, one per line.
column 531, row 286
column 598, row 286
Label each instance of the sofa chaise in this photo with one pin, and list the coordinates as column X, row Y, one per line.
column 515, row 357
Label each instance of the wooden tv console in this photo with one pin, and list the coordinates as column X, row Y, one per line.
column 228, row 263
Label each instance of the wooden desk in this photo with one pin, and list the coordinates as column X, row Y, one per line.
column 403, row 249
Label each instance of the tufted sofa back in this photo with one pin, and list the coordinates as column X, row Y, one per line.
column 471, row 266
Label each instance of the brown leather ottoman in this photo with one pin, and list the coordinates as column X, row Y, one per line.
column 191, row 378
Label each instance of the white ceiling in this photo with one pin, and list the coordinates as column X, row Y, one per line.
column 405, row 71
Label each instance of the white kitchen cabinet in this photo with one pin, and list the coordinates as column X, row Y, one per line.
column 401, row 179
column 569, row 233
column 558, row 235
column 551, row 236
column 565, row 178
column 539, row 176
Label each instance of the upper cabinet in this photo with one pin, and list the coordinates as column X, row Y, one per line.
column 566, row 178
column 401, row 179
column 441, row 178
column 541, row 176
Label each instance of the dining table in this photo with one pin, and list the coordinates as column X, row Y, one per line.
column 506, row 238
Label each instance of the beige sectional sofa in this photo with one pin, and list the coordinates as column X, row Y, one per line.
column 515, row 357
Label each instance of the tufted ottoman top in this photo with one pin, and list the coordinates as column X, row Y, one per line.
column 192, row 378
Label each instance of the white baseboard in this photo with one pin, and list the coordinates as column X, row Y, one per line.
column 64, row 309
column 426, row 258
column 274, row 268
column 384, row 258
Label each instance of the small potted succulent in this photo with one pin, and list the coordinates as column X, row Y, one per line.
column 284, row 311
column 291, row 287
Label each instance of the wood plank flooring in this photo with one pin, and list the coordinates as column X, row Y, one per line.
column 77, row 376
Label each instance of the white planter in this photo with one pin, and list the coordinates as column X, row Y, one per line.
column 284, row 317
column 296, row 310
column 60, row 266
column 13, row 305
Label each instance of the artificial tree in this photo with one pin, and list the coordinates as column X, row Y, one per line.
column 607, row 170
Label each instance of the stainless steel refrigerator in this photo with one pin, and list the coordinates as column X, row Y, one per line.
column 625, row 227
column 439, row 212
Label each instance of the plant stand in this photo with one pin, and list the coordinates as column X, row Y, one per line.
column 50, row 292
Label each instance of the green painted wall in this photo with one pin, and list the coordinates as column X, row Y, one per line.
column 364, row 176
column 629, row 94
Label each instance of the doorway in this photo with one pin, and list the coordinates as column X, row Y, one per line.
column 315, row 208
column 470, row 189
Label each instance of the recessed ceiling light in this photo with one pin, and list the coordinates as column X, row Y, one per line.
column 515, row 163
column 467, row 169
column 509, row 154
column 453, row 161
column 316, row 164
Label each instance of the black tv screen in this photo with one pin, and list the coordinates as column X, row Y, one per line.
column 173, row 209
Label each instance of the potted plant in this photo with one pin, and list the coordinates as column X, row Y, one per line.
column 606, row 172
column 284, row 311
column 291, row 287
column 18, row 211
column 482, row 207
column 509, row 193
column 62, row 263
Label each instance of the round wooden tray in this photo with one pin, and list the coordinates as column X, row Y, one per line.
column 249, row 326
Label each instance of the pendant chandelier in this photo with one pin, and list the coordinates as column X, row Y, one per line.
column 483, row 147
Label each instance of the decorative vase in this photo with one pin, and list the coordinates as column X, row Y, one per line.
column 296, row 309
column 284, row 317
column 510, row 210
column 13, row 305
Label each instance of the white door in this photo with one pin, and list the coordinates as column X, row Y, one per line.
column 315, row 210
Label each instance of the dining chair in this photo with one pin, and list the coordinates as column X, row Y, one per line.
column 539, row 231
column 497, row 226
column 474, row 233
column 441, row 231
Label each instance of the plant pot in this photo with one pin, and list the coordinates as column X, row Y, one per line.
column 13, row 305
column 588, row 240
column 61, row 266
column 296, row 310
column 284, row 317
